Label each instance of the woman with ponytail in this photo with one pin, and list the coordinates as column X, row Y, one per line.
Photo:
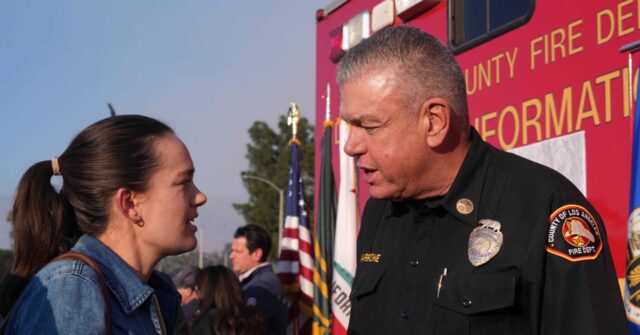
column 35, row 243
column 127, row 200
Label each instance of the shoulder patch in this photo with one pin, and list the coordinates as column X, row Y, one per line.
column 573, row 234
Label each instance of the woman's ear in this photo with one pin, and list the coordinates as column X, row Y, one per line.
column 126, row 205
column 435, row 116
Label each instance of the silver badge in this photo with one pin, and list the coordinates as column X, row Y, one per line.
column 484, row 242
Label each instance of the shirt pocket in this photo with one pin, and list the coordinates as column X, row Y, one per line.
column 473, row 304
column 366, row 282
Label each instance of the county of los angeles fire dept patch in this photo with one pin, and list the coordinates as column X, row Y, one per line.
column 573, row 234
column 632, row 274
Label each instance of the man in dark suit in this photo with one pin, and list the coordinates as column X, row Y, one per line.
column 249, row 252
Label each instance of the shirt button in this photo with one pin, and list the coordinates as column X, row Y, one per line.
column 404, row 315
column 414, row 263
column 466, row 303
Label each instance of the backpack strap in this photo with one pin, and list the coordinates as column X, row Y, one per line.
column 74, row 255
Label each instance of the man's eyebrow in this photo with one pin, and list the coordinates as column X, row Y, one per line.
column 362, row 119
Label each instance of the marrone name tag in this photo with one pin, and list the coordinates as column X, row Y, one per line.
column 370, row 258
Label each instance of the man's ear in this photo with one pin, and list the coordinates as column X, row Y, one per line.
column 257, row 255
column 435, row 117
column 126, row 204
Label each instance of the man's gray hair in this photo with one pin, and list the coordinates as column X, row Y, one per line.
column 420, row 60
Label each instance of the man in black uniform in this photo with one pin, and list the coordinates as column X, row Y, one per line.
column 459, row 237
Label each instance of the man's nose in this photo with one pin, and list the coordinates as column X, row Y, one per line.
column 355, row 145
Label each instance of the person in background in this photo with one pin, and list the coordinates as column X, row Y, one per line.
column 460, row 237
column 185, row 281
column 222, row 309
column 128, row 188
column 249, row 252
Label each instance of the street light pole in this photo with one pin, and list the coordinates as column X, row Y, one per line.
column 281, row 207
column 201, row 249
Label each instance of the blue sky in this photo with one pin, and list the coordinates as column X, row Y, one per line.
column 207, row 68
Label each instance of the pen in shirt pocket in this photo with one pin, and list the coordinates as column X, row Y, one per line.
column 444, row 274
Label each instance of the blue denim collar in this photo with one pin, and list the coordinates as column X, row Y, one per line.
column 128, row 289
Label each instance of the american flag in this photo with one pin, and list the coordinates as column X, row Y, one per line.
column 295, row 266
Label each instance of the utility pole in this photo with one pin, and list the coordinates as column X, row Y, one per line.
column 112, row 111
column 281, row 205
column 201, row 247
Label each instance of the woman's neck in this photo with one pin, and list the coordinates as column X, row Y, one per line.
column 124, row 244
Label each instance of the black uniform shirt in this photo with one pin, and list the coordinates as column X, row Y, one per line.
column 553, row 273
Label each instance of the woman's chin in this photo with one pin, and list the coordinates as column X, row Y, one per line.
column 187, row 244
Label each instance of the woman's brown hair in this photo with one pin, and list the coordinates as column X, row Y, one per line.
column 115, row 152
column 219, row 288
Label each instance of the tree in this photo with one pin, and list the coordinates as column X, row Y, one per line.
column 269, row 158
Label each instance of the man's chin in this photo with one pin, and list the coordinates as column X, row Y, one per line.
column 378, row 192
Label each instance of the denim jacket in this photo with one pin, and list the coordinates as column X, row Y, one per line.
column 65, row 298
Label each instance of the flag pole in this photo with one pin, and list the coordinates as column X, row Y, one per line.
column 112, row 111
column 631, row 48
column 296, row 325
column 327, row 112
column 293, row 119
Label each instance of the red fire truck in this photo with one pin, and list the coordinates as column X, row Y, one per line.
column 552, row 80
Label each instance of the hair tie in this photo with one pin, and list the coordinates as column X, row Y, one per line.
column 55, row 166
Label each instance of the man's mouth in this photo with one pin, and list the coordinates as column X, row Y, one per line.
column 368, row 174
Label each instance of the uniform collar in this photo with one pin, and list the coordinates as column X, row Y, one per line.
column 468, row 184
